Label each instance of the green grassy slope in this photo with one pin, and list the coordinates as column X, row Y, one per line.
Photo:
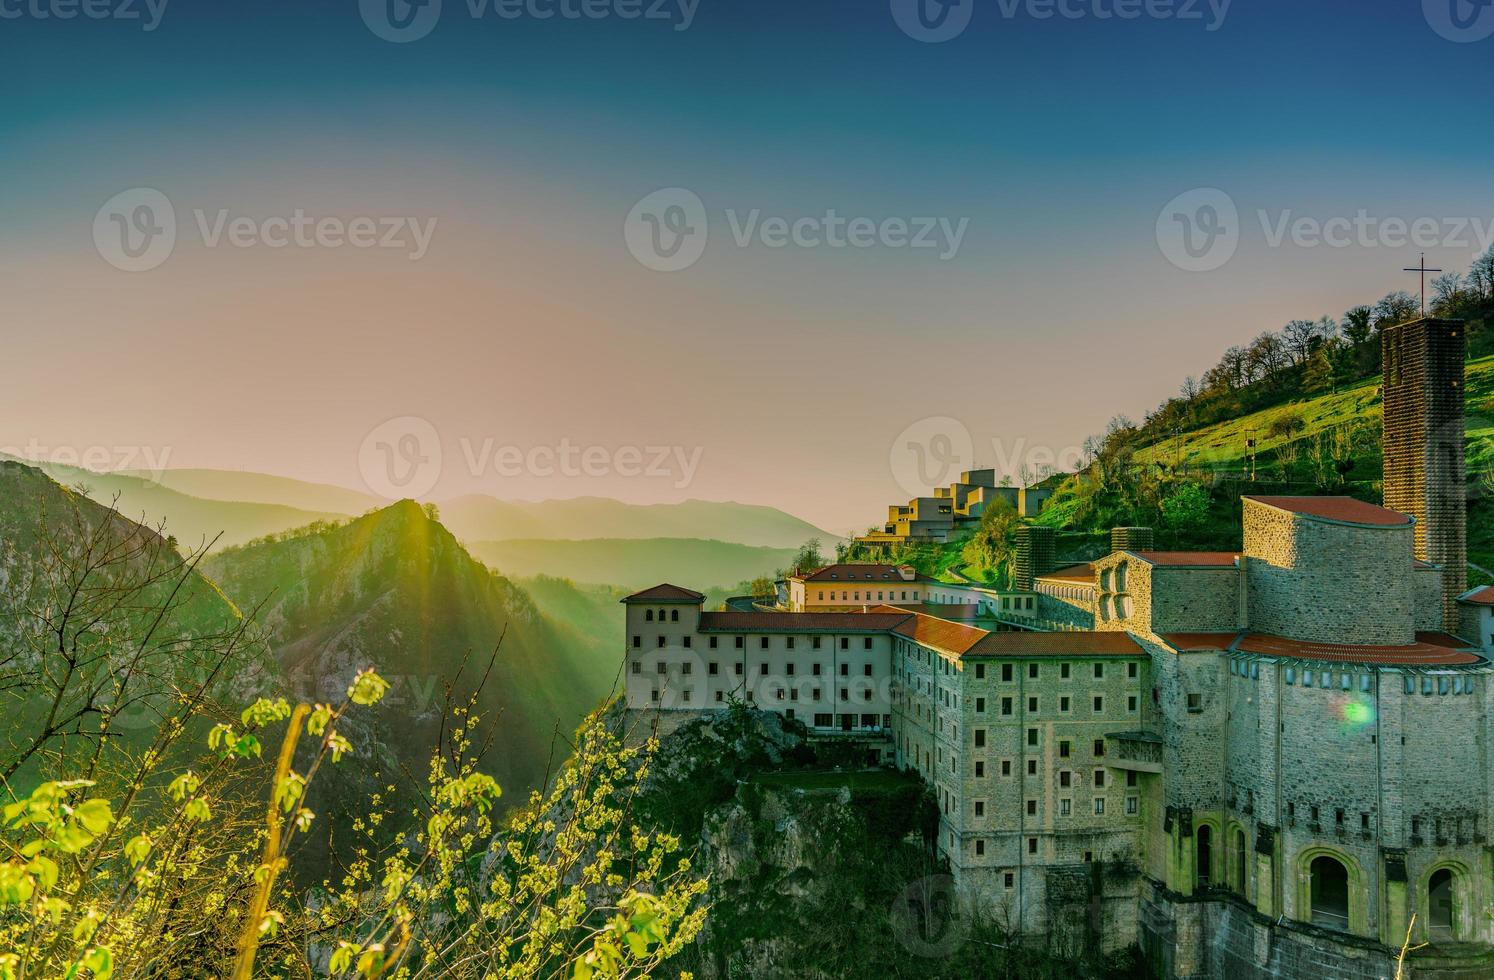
column 393, row 589
column 480, row 518
column 636, row 563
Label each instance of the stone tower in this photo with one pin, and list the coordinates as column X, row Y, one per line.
column 1423, row 445
column 1131, row 539
column 1034, row 555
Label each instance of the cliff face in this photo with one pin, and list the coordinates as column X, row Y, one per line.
column 817, row 871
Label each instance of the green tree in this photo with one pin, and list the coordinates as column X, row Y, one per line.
column 993, row 545
column 809, row 556
column 1318, row 377
column 1185, row 510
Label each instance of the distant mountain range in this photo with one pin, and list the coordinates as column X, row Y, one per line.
column 636, row 563
column 482, row 518
column 198, row 504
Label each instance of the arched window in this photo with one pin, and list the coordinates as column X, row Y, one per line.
column 1330, row 893
column 1242, row 878
column 1440, row 919
column 1204, row 841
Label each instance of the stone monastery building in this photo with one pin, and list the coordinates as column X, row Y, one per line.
column 1255, row 764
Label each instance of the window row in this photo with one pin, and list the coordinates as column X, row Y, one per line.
column 713, row 642
column 713, row 668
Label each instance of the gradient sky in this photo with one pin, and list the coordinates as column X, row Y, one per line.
column 790, row 371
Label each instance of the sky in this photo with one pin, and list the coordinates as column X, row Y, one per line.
column 811, row 255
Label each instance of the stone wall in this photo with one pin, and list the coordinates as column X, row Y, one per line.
column 1312, row 579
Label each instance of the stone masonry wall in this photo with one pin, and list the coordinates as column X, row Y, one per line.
column 1318, row 580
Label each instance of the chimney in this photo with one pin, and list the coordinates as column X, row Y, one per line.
column 1424, row 473
column 1131, row 539
column 1034, row 555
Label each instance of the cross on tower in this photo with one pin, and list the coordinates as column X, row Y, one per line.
column 1422, row 268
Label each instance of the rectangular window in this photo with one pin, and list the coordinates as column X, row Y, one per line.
column 637, row 642
column 719, row 696
column 1099, row 777
column 661, row 641
column 1195, row 703
column 1006, row 767
column 1099, row 670
column 980, row 672
column 1032, row 808
column 1032, row 704
column 1099, row 704
column 980, row 738
column 788, row 642
column 845, row 643
column 815, row 642
column 980, row 848
column 1006, row 706
column 1063, row 749
column 866, row 643
column 980, row 808
column 1009, row 879
column 1063, row 704
column 687, row 667
column 737, row 669
column 1133, row 806
column 1006, row 672
column 713, row 668
column 661, row 667
column 1131, row 778
column 1032, row 767
column 763, row 642
column 637, row 667
column 1064, row 778
column 1032, row 671
column 762, row 669
column 1064, row 807
column 1131, row 669
column 1032, row 845
column 1131, row 703
column 845, row 670
column 980, row 768
column 1099, row 747
column 790, row 667
column 741, row 641
column 712, row 643
column 1032, row 736
column 1099, row 805
column 980, row 706
column 1063, row 671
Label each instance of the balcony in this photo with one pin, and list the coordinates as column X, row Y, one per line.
column 1134, row 751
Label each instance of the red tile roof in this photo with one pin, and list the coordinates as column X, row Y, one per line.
column 1194, row 642
column 1347, row 510
column 852, row 572
column 1188, row 559
column 1430, row 650
column 932, row 631
column 665, row 593
column 1069, row 643
column 1083, row 572
column 1479, row 597
column 791, row 622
